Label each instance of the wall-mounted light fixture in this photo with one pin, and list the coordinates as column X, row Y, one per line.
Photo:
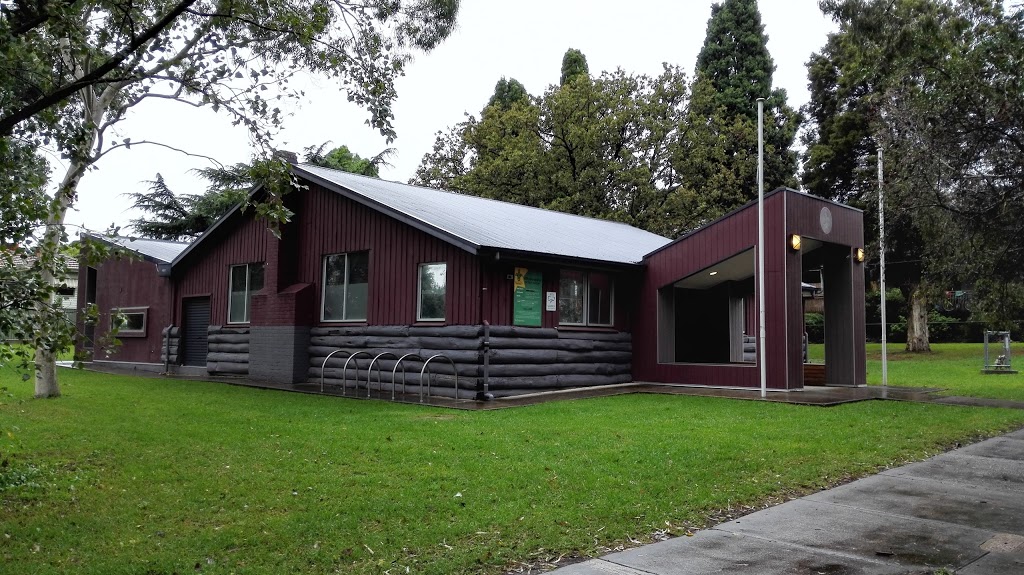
column 794, row 242
column 713, row 274
column 858, row 255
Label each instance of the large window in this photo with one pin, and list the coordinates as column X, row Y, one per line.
column 585, row 298
column 129, row 321
column 346, row 283
column 432, row 286
column 246, row 279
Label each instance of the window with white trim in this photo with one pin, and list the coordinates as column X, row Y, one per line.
column 129, row 321
column 430, row 293
column 245, row 280
column 345, row 287
column 585, row 298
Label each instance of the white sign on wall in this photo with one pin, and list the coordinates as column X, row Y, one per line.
column 552, row 301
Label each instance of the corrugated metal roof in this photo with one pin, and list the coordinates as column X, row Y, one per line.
column 163, row 250
column 482, row 223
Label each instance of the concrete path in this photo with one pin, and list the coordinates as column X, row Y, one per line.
column 962, row 511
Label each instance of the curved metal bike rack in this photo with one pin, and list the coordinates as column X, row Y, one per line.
column 344, row 372
column 395, row 371
column 454, row 370
column 324, row 367
column 369, row 369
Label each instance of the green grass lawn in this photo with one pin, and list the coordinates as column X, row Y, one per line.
column 955, row 367
column 130, row 475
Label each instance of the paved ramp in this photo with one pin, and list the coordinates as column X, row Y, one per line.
column 962, row 511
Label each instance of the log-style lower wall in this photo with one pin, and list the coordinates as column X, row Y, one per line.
column 170, row 344
column 519, row 360
column 227, row 350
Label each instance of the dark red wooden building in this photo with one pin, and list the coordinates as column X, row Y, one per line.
column 517, row 298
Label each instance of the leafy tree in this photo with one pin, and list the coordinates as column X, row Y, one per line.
column 574, row 65
column 72, row 71
column 599, row 147
column 957, row 133
column 734, row 69
column 946, row 110
column 341, row 158
column 610, row 142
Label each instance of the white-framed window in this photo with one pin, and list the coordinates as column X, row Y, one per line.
column 129, row 321
column 346, row 281
column 585, row 298
column 430, row 292
column 244, row 280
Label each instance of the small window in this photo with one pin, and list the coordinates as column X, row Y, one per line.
column 246, row 279
column 432, row 287
column 129, row 321
column 345, row 287
column 585, row 298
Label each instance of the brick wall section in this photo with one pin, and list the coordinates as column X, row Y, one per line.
column 279, row 353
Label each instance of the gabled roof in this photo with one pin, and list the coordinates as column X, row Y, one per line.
column 475, row 223
column 159, row 251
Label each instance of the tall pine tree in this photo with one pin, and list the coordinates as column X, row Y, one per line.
column 574, row 63
column 734, row 69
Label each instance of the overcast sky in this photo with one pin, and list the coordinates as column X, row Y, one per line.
column 523, row 40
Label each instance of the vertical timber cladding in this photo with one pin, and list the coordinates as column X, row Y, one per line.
column 716, row 242
column 132, row 283
column 204, row 272
column 242, row 239
column 333, row 224
column 843, row 228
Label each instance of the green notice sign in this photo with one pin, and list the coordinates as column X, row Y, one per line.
column 527, row 301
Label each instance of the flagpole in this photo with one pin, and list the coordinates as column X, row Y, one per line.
column 881, row 272
column 760, row 246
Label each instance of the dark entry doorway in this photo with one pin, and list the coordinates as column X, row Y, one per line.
column 195, row 313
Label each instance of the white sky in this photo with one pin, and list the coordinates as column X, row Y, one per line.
column 523, row 40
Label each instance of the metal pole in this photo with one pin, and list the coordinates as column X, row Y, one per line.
column 760, row 246
column 881, row 269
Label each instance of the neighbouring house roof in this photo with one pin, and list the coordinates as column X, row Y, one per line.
column 161, row 251
column 474, row 223
column 70, row 263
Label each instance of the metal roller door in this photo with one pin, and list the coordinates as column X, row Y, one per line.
column 196, row 315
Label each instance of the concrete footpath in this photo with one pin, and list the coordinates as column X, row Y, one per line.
column 961, row 511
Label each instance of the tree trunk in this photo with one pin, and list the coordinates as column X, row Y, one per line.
column 96, row 105
column 917, row 323
column 46, row 374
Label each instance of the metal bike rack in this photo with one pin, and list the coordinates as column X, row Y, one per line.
column 395, row 371
column 344, row 372
column 369, row 369
column 324, row 367
column 455, row 370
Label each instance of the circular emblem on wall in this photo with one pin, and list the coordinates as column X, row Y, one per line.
column 826, row 220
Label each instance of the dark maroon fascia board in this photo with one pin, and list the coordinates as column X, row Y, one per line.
column 553, row 259
column 407, row 219
column 749, row 204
